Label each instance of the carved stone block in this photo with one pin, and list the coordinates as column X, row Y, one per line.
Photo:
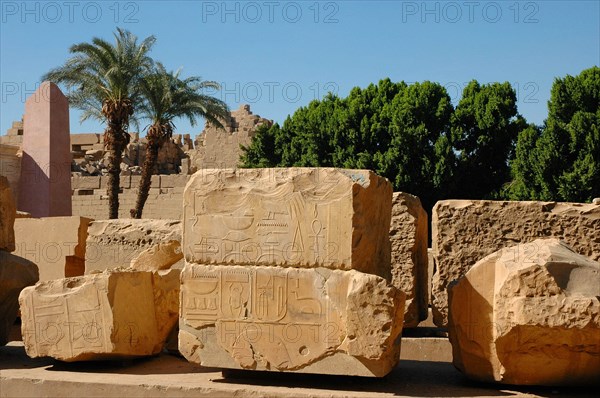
column 300, row 217
column 290, row 319
column 110, row 315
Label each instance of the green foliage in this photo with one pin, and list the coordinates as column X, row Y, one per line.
column 410, row 134
column 485, row 126
column 561, row 161
column 100, row 72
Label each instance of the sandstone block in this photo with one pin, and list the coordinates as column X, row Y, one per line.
column 8, row 212
column 115, row 314
column 56, row 244
column 116, row 243
column 290, row 319
column 16, row 273
column 301, row 217
column 158, row 257
column 528, row 314
column 408, row 238
column 465, row 231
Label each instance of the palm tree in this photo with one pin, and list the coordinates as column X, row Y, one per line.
column 102, row 79
column 167, row 97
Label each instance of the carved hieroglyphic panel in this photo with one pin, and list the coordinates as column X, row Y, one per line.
column 69, row 323
column 301, row 216
column 114, row 314
column 287, row 318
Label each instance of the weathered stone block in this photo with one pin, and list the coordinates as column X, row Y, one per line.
column 465, row 231
column 528, row 314
column 290, row 319
column 8, row 212
column 54, row 244
column 302, row 217
column 110, row 315
column 158, row 257
column 408, row 237
column 16, row 273
column 90, row 182
column 116, row 243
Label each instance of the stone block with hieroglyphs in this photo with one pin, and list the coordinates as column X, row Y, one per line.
column 290, row 319
column 110, row 315
column 299, row 217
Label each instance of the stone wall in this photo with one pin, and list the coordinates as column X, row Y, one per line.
column 218, row 148
column 164, row 200
column 10, row 167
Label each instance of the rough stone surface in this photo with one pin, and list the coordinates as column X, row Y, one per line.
column 110, row 315
column 528, row 314
column 325, row 217
column 45, row 184
column 56, row 244
column 465, row 231
column 10, row 166
column 290, row 319
column 408, row 238
column 7, row 216
column 158, row 257
column 16, row 273
column 219, row 148
column 116, row 243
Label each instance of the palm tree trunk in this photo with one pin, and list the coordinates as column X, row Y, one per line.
column 115, row 155
column 146, row 180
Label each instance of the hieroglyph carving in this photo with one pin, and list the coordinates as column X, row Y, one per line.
column 301, row 217
column 287, row 318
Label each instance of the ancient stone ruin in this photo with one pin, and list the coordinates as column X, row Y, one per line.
column 276, row 280
column 528, row 314
column 288, row 270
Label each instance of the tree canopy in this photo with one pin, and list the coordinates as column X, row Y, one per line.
column 410, row 134
column 561, row 160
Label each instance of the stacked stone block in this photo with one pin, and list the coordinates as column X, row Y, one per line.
column 289, row 270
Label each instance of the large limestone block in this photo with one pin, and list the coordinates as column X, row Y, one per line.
column 7, row 216
column 118, row 243
column 325, row 217
column 465, row 231
column 290, row 319
column 528, row 314
column 408, row 237
column 115, row 314
column 56, row 244
column 16, row 273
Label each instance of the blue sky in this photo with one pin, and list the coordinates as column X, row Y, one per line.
column 280, row 55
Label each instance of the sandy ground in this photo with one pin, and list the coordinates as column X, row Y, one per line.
column 170, row 376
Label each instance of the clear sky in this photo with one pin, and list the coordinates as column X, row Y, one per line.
column 280, row 55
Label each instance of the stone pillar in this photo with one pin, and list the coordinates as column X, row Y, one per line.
column 45, row 183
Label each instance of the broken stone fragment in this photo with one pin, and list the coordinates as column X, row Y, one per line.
column 408, row 238
column 158, row 257
column 16, row 273
column 528, row 314
column 290, row 319
column 465, row 231
column 117, row 243
column 299, row 217
column 115, row 314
